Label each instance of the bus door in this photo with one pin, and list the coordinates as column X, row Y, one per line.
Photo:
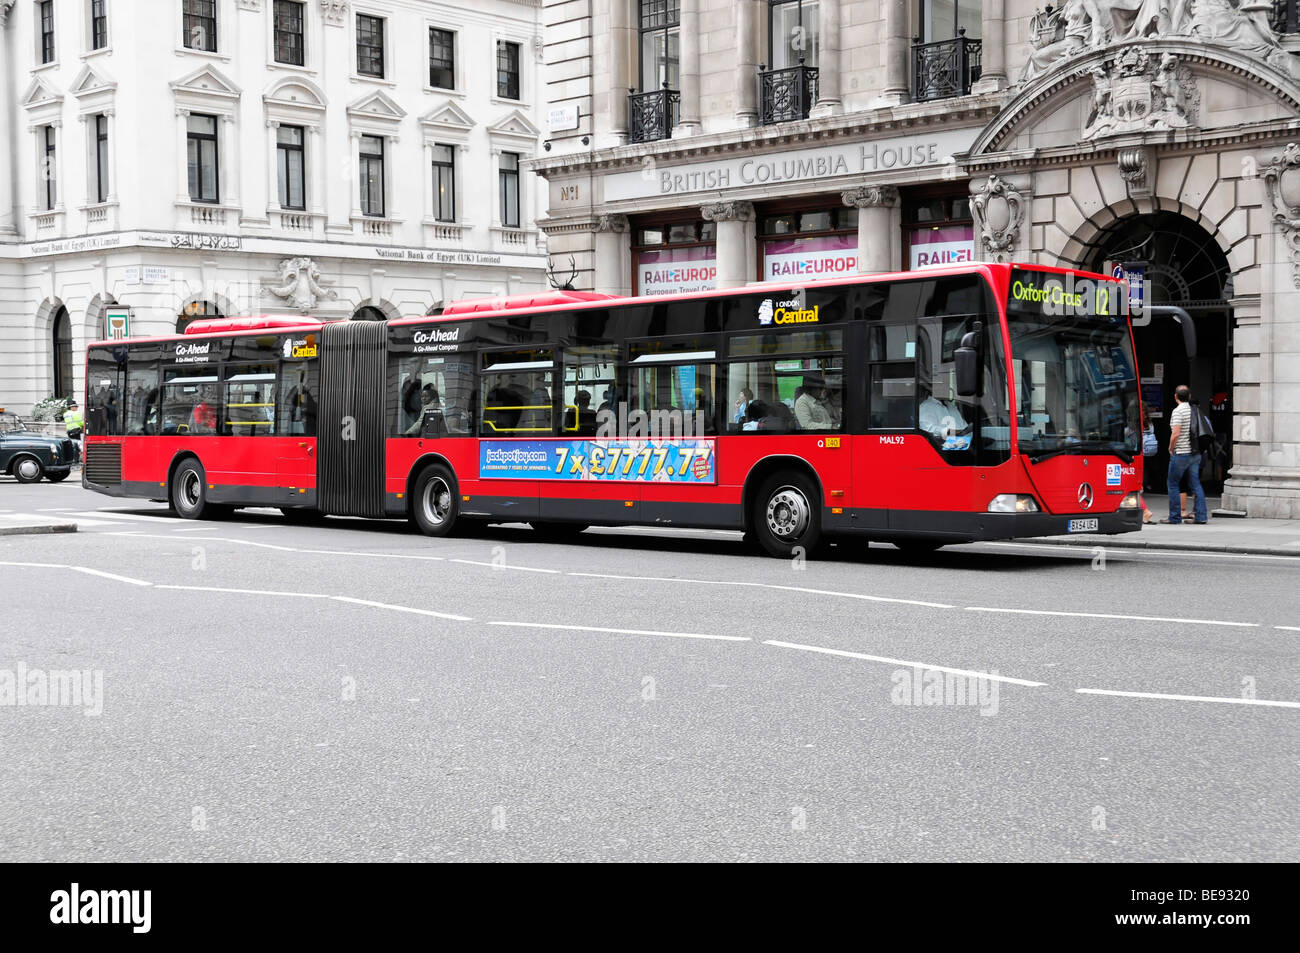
column 515, row 435
column 295, row 408
column 350, row 418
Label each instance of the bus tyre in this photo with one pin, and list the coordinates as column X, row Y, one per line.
column 28, row 469
column 302, row 515
column 435, row 503
column 58, row 477
column 787, row 515
column 189, row 494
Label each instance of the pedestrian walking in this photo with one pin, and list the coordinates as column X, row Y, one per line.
column 1184, row 458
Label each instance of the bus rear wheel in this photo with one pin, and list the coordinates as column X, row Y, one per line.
column 435, row 504
column 787, row 517
column 189, row 495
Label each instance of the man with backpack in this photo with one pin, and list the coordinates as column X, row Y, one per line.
column 1188, row 428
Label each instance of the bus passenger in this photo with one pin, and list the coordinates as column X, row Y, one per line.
column 809, row 410
column 203, row 419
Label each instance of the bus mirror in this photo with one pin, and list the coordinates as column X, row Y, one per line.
column 967, row 362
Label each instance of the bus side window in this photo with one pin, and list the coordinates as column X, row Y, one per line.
column 892, row 398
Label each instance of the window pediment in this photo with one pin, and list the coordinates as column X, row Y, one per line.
column 206, row 86
column 376, row 106
column 448, row 123
column 514, row 128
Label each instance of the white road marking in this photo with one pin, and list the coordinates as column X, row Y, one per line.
column 385, row 605
column 893, row 661
column 1190, row 698
column 109, row 575
column 247, row 592
column 473, row 562
column 38, row 565
column 764, row 585
column 1109, row 615
column 593, row 628
column 130, row 517
column 1288, row 628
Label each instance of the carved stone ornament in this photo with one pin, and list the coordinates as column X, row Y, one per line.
column 1136, row 169
column 613, row 223
column 1079, row 26
column 871, row 196
column 1282, row 180
column 1137, row 95
column 334, row 11
column 5, row 7
column 999, row 209
column 300, row 284
column 728, row 212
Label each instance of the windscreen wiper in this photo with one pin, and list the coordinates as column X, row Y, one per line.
column 1095, row 446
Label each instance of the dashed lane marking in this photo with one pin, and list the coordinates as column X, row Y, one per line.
column 109, row 575
column 764, row 585
column 1110, row 615
column 902, row 662
column 1263, row 702
column 592, row 628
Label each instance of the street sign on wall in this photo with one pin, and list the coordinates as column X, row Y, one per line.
column 117, row 323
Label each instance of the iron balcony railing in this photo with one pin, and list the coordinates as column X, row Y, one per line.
column 651, row 115
column 945, row 68
column 786, row 94
column 1286, row 16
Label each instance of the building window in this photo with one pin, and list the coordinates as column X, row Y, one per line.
column 659, row 25
column 289, row 44
column 372, row 176
column 290, row 171
column 98, row 24
column 101, row 158
column 46, row 11
column 938, row 229
column 674, row 257
column 510, row 189
column 821, row 243
column 948, row 58
column 194, row 311
column 507, row 69
column 442, row 59
column 200, row 24
column 62, row 341
column 945, row 19
column 444, row 183
column 201, row 136
column 370, row 45
column 793, row 35
column 49, row 165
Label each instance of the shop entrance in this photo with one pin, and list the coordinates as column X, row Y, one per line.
column 1179, row 264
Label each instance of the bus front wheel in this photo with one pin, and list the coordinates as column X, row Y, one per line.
column 435, row 505
column 189, row 497
column 787, row 515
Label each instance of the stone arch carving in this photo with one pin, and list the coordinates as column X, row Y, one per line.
column 1074, row 78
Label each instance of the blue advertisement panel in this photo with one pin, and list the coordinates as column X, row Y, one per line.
column 689, row 461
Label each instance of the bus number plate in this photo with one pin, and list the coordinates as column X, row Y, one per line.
column 1083, row 526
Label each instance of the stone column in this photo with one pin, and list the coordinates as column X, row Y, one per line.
column 8, row 226
column 110, row 117
column 993, row 75
column 612, row 262
column 182, row 156
column 316, row 158
column 747, row 32
column 828, row 64
column 689, row 41
column 273, row 166
column 875, row 205
column 897, row 49
column 231, row 162
column 621, row 70
column 735, row 243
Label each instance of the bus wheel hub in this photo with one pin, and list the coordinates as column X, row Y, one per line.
column 787, row 513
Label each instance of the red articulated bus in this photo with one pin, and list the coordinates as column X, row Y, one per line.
column 955, row 404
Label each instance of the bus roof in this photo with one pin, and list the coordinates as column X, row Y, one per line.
column 251, row 322
column 541, row 299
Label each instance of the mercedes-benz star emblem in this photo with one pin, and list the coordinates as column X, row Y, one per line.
column 1085, row 495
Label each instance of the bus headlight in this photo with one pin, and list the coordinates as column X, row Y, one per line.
column 1013, row 503
column 1130, row 502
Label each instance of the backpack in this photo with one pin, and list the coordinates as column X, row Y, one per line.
column 1201, row 431
column 1150, row 445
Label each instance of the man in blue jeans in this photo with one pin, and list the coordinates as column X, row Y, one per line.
column 1184, row 458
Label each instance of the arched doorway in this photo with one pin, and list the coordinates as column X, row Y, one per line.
column 61, row 331
column 194, row 310
column 368, row 313
column 1180, row 264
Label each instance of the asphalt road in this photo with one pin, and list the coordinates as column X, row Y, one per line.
column 354, row 691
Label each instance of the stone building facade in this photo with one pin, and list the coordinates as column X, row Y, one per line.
column 710, row 143
column 181, row 158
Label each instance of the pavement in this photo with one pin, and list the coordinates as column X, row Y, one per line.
column 258, row 690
